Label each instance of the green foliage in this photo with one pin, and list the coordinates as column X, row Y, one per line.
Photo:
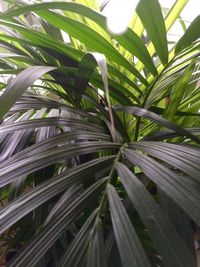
column 99, row 137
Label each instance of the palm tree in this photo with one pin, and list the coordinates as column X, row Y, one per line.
column 99, row 137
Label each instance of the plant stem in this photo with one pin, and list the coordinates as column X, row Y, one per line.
column 111, row 179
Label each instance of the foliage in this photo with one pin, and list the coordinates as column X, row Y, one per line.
column 99, row 137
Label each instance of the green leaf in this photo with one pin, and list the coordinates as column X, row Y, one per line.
column 129, row 246
column 136, row 47
column 18, row 139
column 15, row 170
column 37, row 123
column 19, row 85
column 32, row 252
column 167, row 134
column 53, row 142
column 46, row 216
column 85, row 70
column 75, row 253
column 40, row 39
column 48, row 189
column 91, row 38
column 150, row 14
column 109, row 243
column 141, row 112
column 96, row 253
column 179, row 219
column 129, row 40
column 179, row 91
column 181, row 189
column 191, row 35
column 173, row 253
column 185, row 158
column 118, row 92
column 66, row 199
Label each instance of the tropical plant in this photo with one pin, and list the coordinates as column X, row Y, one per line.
column 99, row 137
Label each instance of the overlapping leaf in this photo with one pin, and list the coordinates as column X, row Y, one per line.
column 159, row 227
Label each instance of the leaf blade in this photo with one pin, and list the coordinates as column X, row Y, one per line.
column 36, row 248
column 182, row 191
column 130, row 249
column 18, row 86
column 150, row 14
column 46, row 190
column 158, row 225
column 191, row 34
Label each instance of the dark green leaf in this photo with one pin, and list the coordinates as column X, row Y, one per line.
column 130, row 248
column 64, row 200
column 15, row 170
column 19, row 85
column 173, row 253
column 73, row 257
column 150, row 14
column 53, row 142
column 91, row 38
column 85, row 70
column 141, row 112
column 179, row 91
column 47, row 190
column 191, row 35
column 96, row 253
column 37, row 123
column 167, row 134
column 181, row 189
column 32, row 252
column 185, row 158
column 129, row 40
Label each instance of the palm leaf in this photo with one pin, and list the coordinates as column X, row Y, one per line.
column 153, row 216
column 76, row 190
column 130, row 249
